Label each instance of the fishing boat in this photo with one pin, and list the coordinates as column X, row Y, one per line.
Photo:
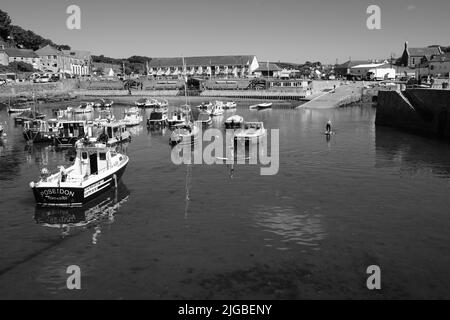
column 96, row 169
column 204, row 119
column 132, row 118
column 251, row 131
column 157, row 119
column 176, row 117
column 28, row 116
column 85, row 107
column 184, row 134
column 114, row 133
column 262, row 106
column 230, row 105
column 71, row 131
column 234, row 122
column 217, row 110
column 38, row 131
column 105, row 116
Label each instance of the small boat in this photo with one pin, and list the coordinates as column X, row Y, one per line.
column 185, row 108
column 184, row 134
column 204, row 118
column 132, row 118
column 28, row 116
column 234, row 122
column 205, row 106
column 18, row 110
column 217, row 110
column 142, row 103
column 71, row 131
column 38, row 131
column 161, row 109
column 262, row 106
column 114, row 133
column 157, row 119
column 177, row 117
column 230, row 105
column 103, row 103
column 251, row 131
column 85, row 107
column 96, row 169
column 104, row 117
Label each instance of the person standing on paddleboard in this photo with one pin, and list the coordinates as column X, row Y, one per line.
column 328, row 127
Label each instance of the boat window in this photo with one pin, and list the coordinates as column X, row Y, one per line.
column 102, row 156
column 84, row 155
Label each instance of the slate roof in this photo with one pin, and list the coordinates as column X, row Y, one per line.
column 201, row 61
column 424, row 52
column 20, row 53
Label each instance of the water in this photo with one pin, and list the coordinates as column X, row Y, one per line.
column 367, row 196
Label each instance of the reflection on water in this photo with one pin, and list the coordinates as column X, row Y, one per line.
column 98, row 212
column 291, row 225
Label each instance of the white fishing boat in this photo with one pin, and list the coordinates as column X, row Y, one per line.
column 142, row 103
column 85, row 107
column 176, row 117
column 230, row 105
column 251, row 131
column 217, row 110
column 184, row 134
column 71, row 131
column 234, row 122
column 262, row 106
column 96, row 169
column 157, row 119
column 205, row 106
column 204, row 119
column 132, row 118
column 105, row 116
column 114, row 133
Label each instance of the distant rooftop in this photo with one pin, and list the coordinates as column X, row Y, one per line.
column 421, row 52
column 20, row 53
column 263, row 67
column 441, row 58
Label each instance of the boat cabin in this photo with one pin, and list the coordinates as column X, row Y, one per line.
column 114, row 132
column 72, row 129
column 91, row 160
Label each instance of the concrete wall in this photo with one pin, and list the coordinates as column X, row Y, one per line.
column 423, row 111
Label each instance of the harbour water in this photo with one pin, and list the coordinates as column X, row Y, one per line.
column 366, row 196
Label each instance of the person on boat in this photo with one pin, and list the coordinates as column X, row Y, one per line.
column 328, row 127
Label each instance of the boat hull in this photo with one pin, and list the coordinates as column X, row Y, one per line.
column 76, row 196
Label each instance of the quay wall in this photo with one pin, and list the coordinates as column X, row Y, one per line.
column 27, row 89
column 422, row 111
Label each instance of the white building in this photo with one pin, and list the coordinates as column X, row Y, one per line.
column 380, row 71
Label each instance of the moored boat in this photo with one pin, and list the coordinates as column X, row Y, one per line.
column 157, row 119
column 132, row 118
column 251, row 131
column 234, row 122
column 217, row 110
column 230, row 105
column 204, row 119
column 38, row 131
column 184, row 134
column 262, row 106
column 85, row 107
column 105, row 116
column 96, row 169
column 18, row 110
column 71, row 131
column 114, row 133
column 177, row 117
column 28, row 116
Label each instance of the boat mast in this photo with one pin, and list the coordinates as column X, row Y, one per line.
column 185, row 79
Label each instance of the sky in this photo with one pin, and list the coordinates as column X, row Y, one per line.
column 276, row 30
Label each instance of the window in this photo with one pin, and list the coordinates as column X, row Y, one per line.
column 84, row 155
column 102, row 156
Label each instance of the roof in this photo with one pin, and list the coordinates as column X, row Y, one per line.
column 23, row 53
column 441, row 58
column 369, row 65
column 47, row 51
column 264, row 66
column 421, row 52
column 79, row 54
column 201, row 61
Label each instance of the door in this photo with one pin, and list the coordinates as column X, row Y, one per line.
column 93, row 163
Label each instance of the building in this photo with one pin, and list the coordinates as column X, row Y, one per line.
column 75, row 62
column 207, row 66
column 357, row 68
column 268, row 69
column 437, row 66
column 414, row 57
column 10, row 55
column 106, row 69
column 377, row 71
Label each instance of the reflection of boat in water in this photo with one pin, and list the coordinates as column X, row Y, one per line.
column 101, row 209
column 262, row 106
column 96, row 169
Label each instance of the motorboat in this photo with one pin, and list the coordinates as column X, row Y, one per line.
column 262, row 106
column 251, row 131
column 105, row 116
column 234, row 122
column 205, row 106
column 204, row 118
column 85, row 107
column 96, row 169
column 132, row 118
column 230, row 105
column 184, row 134
column 142, row 103
column 18, row 110
column 113, row 133
column 38, row 131
column 176, row 117
column 71, row 131
column 217, row 110
column 157, row 119
column 185, row 108
column 103, row 103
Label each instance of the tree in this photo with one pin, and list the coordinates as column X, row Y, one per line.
column 5, row 22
